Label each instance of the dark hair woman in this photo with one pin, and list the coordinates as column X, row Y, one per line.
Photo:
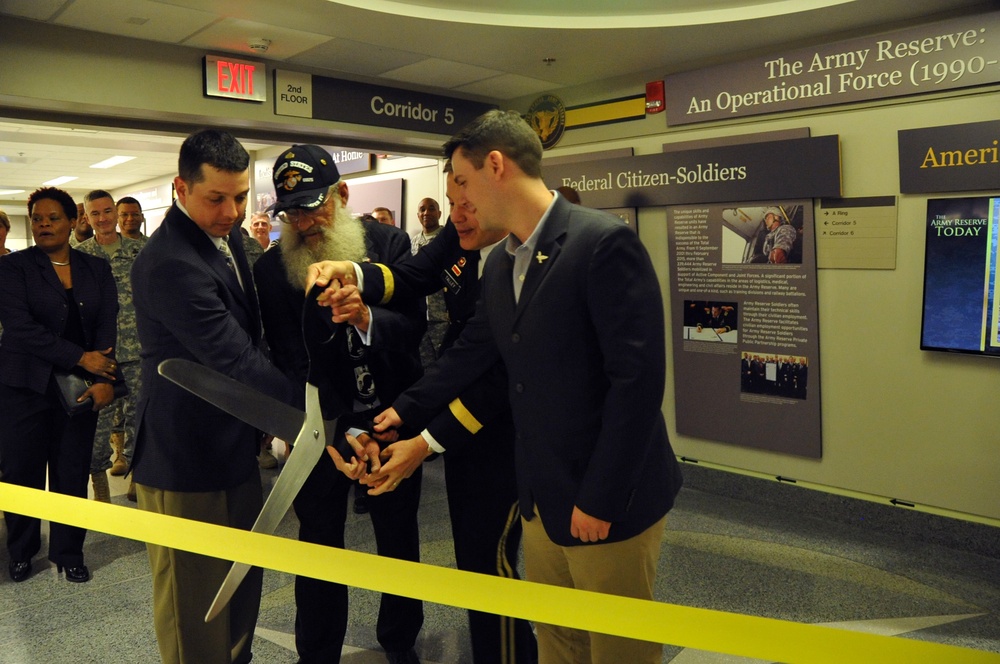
column 58, row 309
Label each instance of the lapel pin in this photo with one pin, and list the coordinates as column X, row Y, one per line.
column 541, row 258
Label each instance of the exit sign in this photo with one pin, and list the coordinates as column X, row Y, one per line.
column 235, row 79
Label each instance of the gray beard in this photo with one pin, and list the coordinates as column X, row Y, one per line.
column 343, row 241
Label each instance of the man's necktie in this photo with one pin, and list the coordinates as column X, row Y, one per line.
column 224, row 248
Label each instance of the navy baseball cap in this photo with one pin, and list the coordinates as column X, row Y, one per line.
column 302, row 177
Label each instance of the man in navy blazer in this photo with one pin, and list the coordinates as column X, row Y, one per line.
column 194, row 299
column 572, row 306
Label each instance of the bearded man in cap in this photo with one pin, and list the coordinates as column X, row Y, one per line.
column 370, row 357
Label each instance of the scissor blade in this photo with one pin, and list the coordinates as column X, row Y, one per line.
column 309, row 445
column 256, row 409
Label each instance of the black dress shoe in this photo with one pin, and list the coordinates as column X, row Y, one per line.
column 76, row 573
column 19, row 570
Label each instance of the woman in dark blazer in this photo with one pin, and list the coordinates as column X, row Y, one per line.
column 58, row 308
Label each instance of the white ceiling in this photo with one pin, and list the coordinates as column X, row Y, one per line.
column 492, row 50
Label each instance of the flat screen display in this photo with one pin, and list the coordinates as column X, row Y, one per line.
column 960, row 307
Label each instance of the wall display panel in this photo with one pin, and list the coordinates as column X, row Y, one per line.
column 744, row 324
column 960, row 309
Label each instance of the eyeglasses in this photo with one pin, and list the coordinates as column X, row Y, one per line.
column 296, row 214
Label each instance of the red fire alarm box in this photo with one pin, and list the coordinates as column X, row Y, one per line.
column 654, row 97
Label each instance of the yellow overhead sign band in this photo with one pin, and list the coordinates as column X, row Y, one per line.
column 618, row 110
column 703, row 629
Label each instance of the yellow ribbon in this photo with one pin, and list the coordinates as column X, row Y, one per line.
column 703, row 629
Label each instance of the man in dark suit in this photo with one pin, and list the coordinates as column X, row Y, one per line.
column 475, row 431
column 194, row 299
column 369, row 359
column 573, row 308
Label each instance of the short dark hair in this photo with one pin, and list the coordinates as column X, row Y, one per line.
column 218, row 149
column 57, row 195
column 97, row 194
column 128, row 200
column 504, row 131
column 4, row 220
column 385, row 209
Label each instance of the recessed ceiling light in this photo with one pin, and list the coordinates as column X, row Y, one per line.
column 8, row 192
column 113, row 161
column 58, row 181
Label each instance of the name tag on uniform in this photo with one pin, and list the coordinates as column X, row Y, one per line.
column 450, row 281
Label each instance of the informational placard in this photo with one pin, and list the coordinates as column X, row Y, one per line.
column 963, row 157
column 744, row 324
column 293, row 94
column 856, row 233
column 951, row 54
column 337, row 100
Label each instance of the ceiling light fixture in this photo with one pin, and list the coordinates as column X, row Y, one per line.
column 113, row 161
column 8, row 192
column 58, row 181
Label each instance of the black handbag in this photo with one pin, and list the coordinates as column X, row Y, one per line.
column 71, row 385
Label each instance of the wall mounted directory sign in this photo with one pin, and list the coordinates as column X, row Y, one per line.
column 336, row 100
column 234, row 78
column 962, row 157
column 856, row 233
column 956, row 53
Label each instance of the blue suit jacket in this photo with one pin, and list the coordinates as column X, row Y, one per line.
column 584, row 349
column 190, row 305
column 34, row 311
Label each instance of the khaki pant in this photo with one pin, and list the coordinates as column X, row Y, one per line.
column 626, row 568
column 184, row 584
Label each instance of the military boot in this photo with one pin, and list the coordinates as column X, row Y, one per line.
column 120, row 466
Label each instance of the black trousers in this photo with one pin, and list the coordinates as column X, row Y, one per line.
column 486, row 527
column 36, row 435
column 320, row 606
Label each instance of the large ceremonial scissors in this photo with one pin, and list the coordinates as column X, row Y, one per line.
column 308, row 429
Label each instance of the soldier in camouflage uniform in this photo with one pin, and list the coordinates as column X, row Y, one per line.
column 120, row 251
column 429, row 215
column 130, row 218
